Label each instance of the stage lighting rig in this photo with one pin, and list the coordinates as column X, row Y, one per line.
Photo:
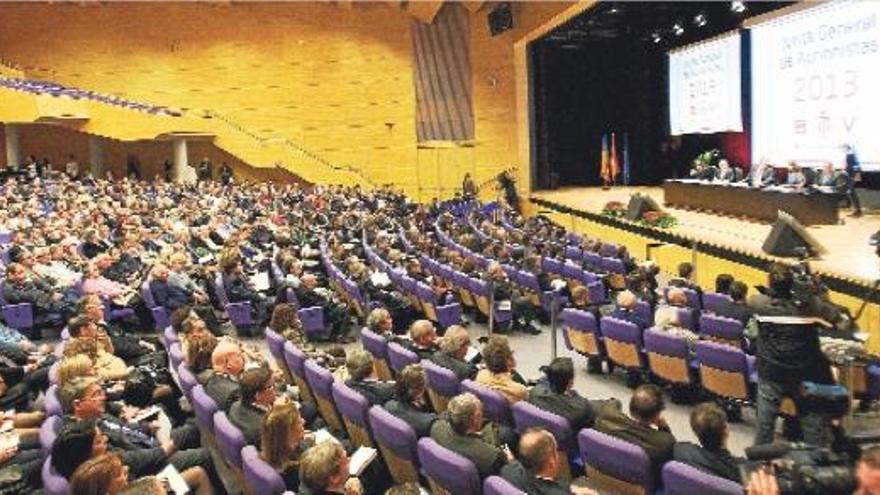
column 700, row 20
column 738, row 7
column 656, row 38
column 677, row 29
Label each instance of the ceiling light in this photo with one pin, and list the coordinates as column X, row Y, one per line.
column 738, row 7
column 700, row 20
column 656, row 38
column 613, row 9
column 677, row 29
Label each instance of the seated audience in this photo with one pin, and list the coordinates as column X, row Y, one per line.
column 227, row 363
column 685, row 278
column 423, row 339
column 362, row 378
column 722, row 283
column 324, row 470
column 257, row 396
column 645, row 425
column 283, row 440
column 709, row 423
column 667, row 317
column 555, row 393
column 524, row 313
column 499, row 373
column 737, row 308
column 411, row 404
column 462, row 431
column 626, row 310
column 536, row 470
column 454, row 347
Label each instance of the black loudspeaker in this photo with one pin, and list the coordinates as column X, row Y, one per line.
column 789, row 238
column 638, row 205
column 500, row 18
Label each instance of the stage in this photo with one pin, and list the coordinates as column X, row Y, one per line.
column 849, row 256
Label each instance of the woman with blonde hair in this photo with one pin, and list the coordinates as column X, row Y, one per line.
column 283, row 434
column 102, row 475
column 75, row 366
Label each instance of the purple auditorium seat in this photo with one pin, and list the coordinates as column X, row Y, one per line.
column 161, row 317
column 581, row 333
column 230, row 439
column 442, row 384
column 608, row 250
column 593, row 259
column 187, row 380
column 377, row 346
column 399, row 357
column 239, row 312
column 397, row 441
column 623, row 343
column 49, row 432
column 551, row 265
column 725, row 371
column 713, row 303
column 321, row 383
column 353, row 407
column 613, row 265
column 614, row 465
column 259, row 476
column 175, row 355
column 296, row 360
column 169, row 336
column 53, row 483
column 722, row 330
column 447, row 470
column 53, row 372
column 526, row 415
column 681, row 479
column 573, row 239
column 688, row 318
column 204, row 407
column 693, row 298
column 596, row 291
column 52, row 404
column 111, row 314
column 313, row 323
column 496, row 485
column 574, row 253
column 495, row 405
column 644, row 309
column 275, row 343
column 668, row 356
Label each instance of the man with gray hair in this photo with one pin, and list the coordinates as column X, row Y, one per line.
column 462, row 432
column 453, row 348
column 362, row 378
column 423, row 337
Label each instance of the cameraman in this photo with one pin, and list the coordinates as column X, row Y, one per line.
column 788, row 354
column 866, row 474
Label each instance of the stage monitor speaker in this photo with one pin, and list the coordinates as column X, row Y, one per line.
column 638, row 205
column 789, row 238
column 500, row 18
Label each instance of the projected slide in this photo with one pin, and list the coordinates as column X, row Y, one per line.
column 815, row 83
column 704, row 87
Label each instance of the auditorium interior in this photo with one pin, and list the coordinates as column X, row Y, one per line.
column 241, row 243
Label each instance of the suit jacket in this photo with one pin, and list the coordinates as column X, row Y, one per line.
column 376, row 392
column 724, row 175
column 656, row 443
column 720, row 463
column 223, row 389
column 463, row 370
column 421, row 352
column 486, row 457
column 571, row 406
column 139, row 450
column 630, row 316
column 249, row 419
column 517, row 476
column 421, row 419
column 237, row 289
column 741, row 312
column 168, row 295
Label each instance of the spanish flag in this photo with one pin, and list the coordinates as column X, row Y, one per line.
column 614, row 165
column 605, row 169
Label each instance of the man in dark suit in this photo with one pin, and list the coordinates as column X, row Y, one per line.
column 626, row 310
column 453, row 349
column 685, row 278
column 538, row 466
column 84, row 399
column 168, row 295
column 309, row 294
column 709, row 423
column 43, row 299
column 555, row 393
column 411, row 404
column 423, row 339
column 462, row 432
column 223, row 386
column 761, row 175
column 737, row 307
column 362, row 378
column 644, row 426
column 257, row 396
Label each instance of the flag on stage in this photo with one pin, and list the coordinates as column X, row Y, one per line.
column 615, row 165
column 605, row 169
column 626, row 158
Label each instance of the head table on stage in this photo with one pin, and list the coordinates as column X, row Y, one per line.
column 810, row 206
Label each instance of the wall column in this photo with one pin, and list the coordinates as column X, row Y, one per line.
column 13, row 153
column 181, row 170
column 96, row 156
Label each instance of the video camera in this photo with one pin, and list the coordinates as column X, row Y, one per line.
column 807, row 470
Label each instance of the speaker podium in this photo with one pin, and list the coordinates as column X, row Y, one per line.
column 638, row 205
